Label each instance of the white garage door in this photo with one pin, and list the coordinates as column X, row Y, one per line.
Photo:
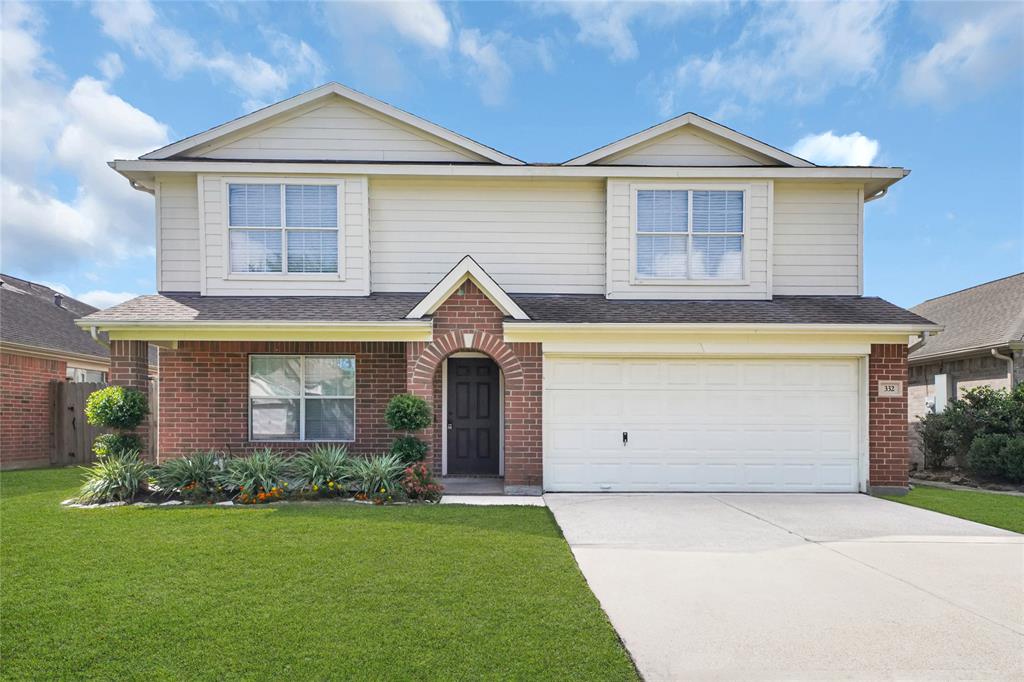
column 701, row 425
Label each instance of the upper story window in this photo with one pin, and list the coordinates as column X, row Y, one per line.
column 278, row 228
column 689, row 234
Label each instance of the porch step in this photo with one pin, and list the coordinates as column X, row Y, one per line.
column 473, row 485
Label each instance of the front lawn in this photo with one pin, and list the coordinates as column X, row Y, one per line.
column 299, row 591
column 1001, row 511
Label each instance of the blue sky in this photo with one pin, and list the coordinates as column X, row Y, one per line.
column 934, row 87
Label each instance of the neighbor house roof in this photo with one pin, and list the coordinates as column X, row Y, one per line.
column 986, row 316
column 29, row 317
column 541, row 308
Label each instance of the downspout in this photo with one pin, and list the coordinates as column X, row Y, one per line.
column 1009, row 360
column 94, row 333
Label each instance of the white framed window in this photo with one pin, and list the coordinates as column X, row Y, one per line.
column 282, row 228
column 689, row 235
column 302, row 398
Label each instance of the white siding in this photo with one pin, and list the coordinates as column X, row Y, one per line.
column 353, row 249
column 620, row 239
column 687, row 147
column 817, row 239
column 529, row 235
column 178, row 246
column 337, row 131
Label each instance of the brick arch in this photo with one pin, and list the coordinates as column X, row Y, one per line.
column 470, row 340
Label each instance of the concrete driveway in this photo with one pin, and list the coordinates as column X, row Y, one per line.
column 738, row 586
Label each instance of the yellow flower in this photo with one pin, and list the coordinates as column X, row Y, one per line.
column 315, row 488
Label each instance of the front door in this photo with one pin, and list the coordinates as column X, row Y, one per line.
column 473, row 424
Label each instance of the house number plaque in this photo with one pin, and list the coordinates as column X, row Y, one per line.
column 890, row 389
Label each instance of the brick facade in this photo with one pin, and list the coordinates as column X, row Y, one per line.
column 468, row 321
column 888, row 451
column 26, row 431
column 204, row 392
column 129, row 366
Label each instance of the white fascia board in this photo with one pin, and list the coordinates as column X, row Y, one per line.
column 287, row 105
column 467, row 268
column 523, row 331
column 690, row 119
column 90, row 322
column 146, row 168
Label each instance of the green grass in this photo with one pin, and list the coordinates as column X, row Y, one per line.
column 1001, row 511
column 296, row 591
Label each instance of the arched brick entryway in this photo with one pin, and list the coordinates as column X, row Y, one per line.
column 468, row 321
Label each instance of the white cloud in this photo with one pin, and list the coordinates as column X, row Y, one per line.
column 979, row 48
column 137, row 26
column 111, row 66
column 608, row 24
column 78, row 131
column 487, row 64
column 105, row 299
column 422, row 21
column 829, row 149
column 797, row 51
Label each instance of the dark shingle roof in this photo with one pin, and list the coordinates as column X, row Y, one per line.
column 595, row 308
column 575, row 308
column 29, row 317
column 986, row 316
column 196, row 308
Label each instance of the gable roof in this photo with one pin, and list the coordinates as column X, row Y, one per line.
column 183, row 147
column 989, row 315
column 698, row 122
column 30, row 318
column 467, row 268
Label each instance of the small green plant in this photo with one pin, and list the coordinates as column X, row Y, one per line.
column 109, row 443
column 116, row 407
column 408, row 449
column 117, row 477
column 194, row 477
column 323, row 470
column 263, row 476
column 419, row 484
column 377, row 475
column 407, row 413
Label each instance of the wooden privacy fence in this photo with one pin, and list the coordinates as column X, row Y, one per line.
column 73, row 435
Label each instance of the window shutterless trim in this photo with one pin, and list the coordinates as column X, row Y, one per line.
column 302, row 397
column 338, row 229
column 636, row 280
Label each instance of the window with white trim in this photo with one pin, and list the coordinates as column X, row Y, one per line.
column 689, row 234
column 278, row 228
column 302, row 397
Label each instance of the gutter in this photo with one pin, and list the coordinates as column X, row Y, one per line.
column 1010, row 368
column 748, row 328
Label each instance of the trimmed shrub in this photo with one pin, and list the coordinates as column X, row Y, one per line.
column 116, row 407
column 110, row 443
column 323, row 470
column 377, row 475
column 419, row 484
column 408, row 449
column 118, row 477
column 194, row 477
column 982, row 412
column 263, row 476
column 997, row 455
column 408, row 412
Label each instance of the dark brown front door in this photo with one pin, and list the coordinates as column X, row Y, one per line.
column 473, row 424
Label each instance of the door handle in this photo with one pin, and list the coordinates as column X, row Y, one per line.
column 625, row 437
column 449, row 426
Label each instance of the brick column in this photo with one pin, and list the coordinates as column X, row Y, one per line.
column 888, row 450
column 129, row 367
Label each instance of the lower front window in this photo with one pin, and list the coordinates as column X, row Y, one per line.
column 302, row 397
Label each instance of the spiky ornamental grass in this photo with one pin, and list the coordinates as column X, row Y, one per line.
column 194, row 476
column 377, row 474
column 323, row 470
column 116, row 477
column 263, row 476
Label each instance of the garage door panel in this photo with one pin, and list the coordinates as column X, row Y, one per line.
column 746, row 424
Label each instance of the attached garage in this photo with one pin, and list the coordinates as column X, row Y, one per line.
column 703, row 424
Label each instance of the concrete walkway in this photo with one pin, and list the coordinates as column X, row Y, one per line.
column 743, row 586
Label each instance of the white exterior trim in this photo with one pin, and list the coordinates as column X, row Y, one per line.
column 467, row 268
column 689, row 119
column 191, row 143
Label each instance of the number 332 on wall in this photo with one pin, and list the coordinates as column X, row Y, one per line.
column 890, row 389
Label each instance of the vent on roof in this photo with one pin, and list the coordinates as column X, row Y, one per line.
column 58, row 300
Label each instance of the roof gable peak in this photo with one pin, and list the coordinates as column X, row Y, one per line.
column 467, row 269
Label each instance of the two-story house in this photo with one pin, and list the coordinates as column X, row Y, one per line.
column 679, row 310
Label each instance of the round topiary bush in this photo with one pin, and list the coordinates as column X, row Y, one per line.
column 408, row 412
column 116, row 407
column 112, row 443
column 409, row 449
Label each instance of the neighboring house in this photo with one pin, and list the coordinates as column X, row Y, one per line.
column 39, row 344
column 678, row 310
column 982, row 344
